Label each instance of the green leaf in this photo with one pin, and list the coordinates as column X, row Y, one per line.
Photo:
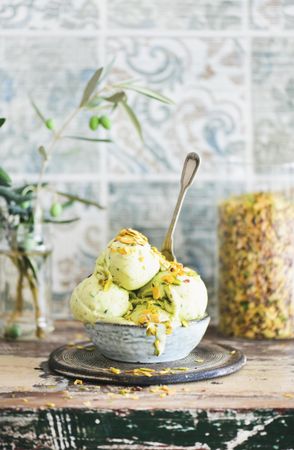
column 43, row 118
column 67, row 204
column 133, row 118
column 78, row 199
column 148, row 93
column 28, row 187
column 117, row 97
column 30, row 265
column 94, row 102
column 126, row 82
column 107, row 69
column 11, row 196
column 5, row 179
column 64, row 221
column 2, row 121
column 91, row 86
column 80, row 138
column 43, row 152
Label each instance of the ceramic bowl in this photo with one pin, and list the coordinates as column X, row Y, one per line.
column 129, row 343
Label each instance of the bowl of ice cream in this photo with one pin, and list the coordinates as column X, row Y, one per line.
column 129, row 343
column 139, row 307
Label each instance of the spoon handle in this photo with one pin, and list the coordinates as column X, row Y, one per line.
column 190, row 167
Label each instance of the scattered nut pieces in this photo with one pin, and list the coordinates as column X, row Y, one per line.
column 87, row 403
column 125, row 391
column 114, row 370
column 288, row 394
column 79, row 336
column 163, row 390
column 67, row 397
column 165, row 371
column 131, row 237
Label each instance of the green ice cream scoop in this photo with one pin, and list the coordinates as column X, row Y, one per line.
column 183, row 295
column 131, row 264
column 91, row 302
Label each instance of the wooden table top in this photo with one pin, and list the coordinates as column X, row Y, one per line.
column 266, row 382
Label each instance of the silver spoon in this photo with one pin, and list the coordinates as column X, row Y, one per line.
column 190, row 167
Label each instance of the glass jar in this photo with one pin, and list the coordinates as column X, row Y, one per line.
column 256, row 255
column 25, row 288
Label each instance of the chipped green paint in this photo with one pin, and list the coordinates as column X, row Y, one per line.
column 60, row 429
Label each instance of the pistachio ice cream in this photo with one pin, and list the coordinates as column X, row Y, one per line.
column 180, row 290
column 91, row 302
column 133, row 283
column 131, row 260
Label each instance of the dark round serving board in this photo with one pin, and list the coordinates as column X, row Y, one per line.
column 84, row 361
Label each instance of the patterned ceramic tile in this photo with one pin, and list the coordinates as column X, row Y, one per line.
column 205, row 77
column 272, row 14
column 49, row 15
column 53, row 71
column 76, row 245
column 273, row 99
column 172, row 14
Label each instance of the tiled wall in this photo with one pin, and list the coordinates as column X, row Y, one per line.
column 228, row 64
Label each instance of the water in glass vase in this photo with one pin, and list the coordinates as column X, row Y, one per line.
column 25, row 292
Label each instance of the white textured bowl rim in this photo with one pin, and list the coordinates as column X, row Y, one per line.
column 102, row 322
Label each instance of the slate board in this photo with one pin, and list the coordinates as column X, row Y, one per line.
column 85, row 362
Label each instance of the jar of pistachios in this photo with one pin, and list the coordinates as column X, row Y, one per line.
column 256, row 264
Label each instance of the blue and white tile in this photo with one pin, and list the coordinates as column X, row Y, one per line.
column 172, row 14
column 76, row 245
column 273, row 100
column 54, row 72
column 49, row 15
column 272, row 15
column 205, row 78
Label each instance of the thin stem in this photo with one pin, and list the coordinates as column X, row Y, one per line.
column 34, row 291
column 56, row 137
column 19, row 296
column 19, row 291
column 45, row 162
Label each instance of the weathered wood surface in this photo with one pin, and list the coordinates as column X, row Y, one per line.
column 267, row 380
column 253, row 408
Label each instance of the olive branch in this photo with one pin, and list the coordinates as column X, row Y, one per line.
column 23, row 204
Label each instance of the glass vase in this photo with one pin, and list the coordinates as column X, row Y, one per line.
column 25, row 289
column 256, row 255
